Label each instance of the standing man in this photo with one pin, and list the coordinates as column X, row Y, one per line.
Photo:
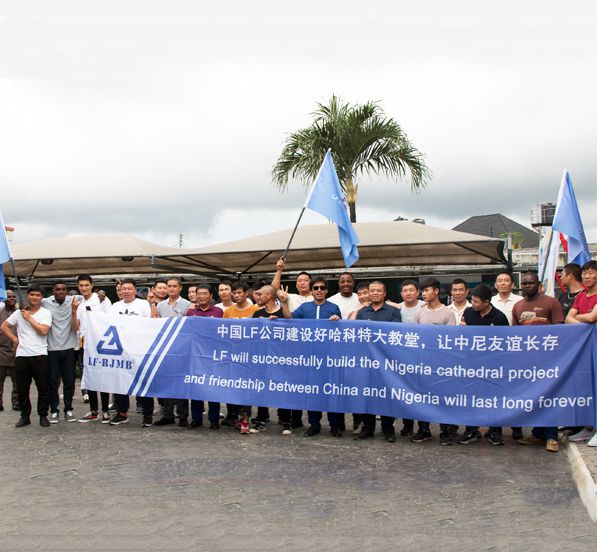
column 192, row 294
column 505, row 299
column 32, row 327
column 174, row 306
column 303, row 286
column 157, row 294
column 363, row 297
column 131, row 306
column 91, row 303
column 538, row 309
column 204, row 307
column 346, row 299
column 7, row 353
column 411, row 304
column 225, row 295
column 482, row 313
column 319, row 309
column 571, row 279
column 378, row 311
column 458, row 291
column 434, row 312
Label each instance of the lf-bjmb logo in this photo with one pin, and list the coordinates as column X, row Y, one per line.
column 110, row 343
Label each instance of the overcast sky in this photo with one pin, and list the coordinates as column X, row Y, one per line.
column 159, row 118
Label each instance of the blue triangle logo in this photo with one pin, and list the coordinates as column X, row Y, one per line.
column 110, row 343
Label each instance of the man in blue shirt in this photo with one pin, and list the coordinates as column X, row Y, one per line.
column 319, row 309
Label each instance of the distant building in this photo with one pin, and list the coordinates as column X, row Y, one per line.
column 499, row 226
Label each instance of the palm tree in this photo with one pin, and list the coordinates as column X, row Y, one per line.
column 363, row 140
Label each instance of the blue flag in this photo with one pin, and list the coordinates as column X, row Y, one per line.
column 4, row 256
column 567, row 221
column 326, row 198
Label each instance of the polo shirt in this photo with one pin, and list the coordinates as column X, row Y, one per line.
column 211, row 311
column 494, row 317
column 30, row 342
column 507, row 305
column 386, row 313
column 61, row 335
column 458, row 313
column 311, row 309
column 178, row 310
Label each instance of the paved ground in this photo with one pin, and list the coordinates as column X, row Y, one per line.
column 589, row 455
column 75, row 487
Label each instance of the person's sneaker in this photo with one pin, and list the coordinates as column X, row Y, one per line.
column 23, row 421
column 147, row 421
column 69, row 416
column 1, row 408
column 495, row 438
column 54, row 417
column 446, row 439
column 531, row 440
column 89, row 417
column 44, row 422
column 112, row 407
column 85, row 398
column 258, row 427
column 593, row 441
column 390, row 437
column 583, row 435
column 244, row 427
column 312, row 431
column 469, row 437
column 105, row 418
column 119, row 419
column 552, row 445
column 15, row 407
column 164, row 421
column 421, row 436
column 406, row 431
column 516, row 433
column 228, row 422
column 214, row 425
column 287, row 429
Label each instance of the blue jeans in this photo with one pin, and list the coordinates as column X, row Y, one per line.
column 213, row 411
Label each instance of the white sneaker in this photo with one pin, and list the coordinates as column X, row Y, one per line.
column 54, row 417
column 85, row 398
column 69, row 416
column 593, row 441
column 105, row 418
column 583, row 435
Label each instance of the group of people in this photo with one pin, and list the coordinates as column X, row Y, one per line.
column 42, row 341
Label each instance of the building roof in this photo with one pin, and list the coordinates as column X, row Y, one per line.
column 498, row 226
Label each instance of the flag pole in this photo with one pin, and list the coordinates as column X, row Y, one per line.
column 547, row 250
column 18, row 290
column 305, row 205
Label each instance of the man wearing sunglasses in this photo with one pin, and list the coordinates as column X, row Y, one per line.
column 319, row 309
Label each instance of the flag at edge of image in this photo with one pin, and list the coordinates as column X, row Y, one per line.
column 4, row 256
column 567, row 221
column 326, row 198
column 548, row 261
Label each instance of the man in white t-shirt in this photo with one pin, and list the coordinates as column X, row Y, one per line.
column 459, row 292
column 346, row 299
column 131, row 306
column 303, row 286
column 505, row 300
column 31, row 363
column 225, row 295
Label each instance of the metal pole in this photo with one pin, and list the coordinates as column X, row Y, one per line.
column 293, row 233
column 548, row 249
column 19, row 294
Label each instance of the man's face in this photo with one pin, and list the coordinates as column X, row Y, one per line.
column 85, row 288
column 128, row 292
column 459, row 292
column 409, row 293
column 319, row 291
column 262, row 296
column 160, row 291
column 60, row 292
column 503, row 283
column 256, row 296
column 225, row 292
column 173, row 289
column 377, row 294
column 565, row 278
column 529, row 285
column 203, row 298
column 477, row 304
column 11, row 299
column 430, row 294
column 34, row 298
column 346, row 284
column 239, row 296
column 303, row 283
column 363, row 295
column 192, row 294
column 589, row 278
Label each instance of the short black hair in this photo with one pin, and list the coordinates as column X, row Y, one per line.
column 574, row 270
column 204, row 286
column 482, row 292
column 458, row 281
column 174, row 279
column 305, row 274
column 160, row 282
column 589, row 265
column 346, row 274
column 410, row 283
column 240, row 285
column 379, row 282
column 35, row 288
column 507, row 273
column 59, row 283
column 225, row 283
column 318, row 279
column 432, row 283
column 362, row 285
column 532, row 273
column 84, row 278
column 129, row 281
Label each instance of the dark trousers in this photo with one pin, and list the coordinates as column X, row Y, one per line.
column 315, row 416
column 182, row 406
column 475, row 429
column 292, row 417
column 147, row 406
column 93, row 405
column 546, row 433
column 32, row 368
column 213, row 411
column 122, row 403
column 62, row 367
column 387, row 424
column 14, row 396
column 262, row 413
column 410, row 424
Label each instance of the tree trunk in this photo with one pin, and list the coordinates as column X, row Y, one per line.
column 352, row 207
column 351, row 197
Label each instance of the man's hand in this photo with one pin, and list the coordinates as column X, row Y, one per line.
column 101, row 294
column 26, row 314
column 283, row 295
column 280, row 264
column 150, row 296
column 74, row 305
column 334, row 317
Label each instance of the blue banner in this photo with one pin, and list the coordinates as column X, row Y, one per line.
column 496, row 376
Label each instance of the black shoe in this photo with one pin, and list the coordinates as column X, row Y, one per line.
column 195, row 423
column 119, row 419
column 469, row 437
column 183, row 422
column 24, row 421
column 214, row 425
column 44, row 422
column 229, row 422
column 421, row 436
column 406, row 431
column 343, row 426
column 164, row 421
column 312, row 431
column 516, row 433
column 299, row 424
column 446, row 438
column 336, row 431
column 365, row 434
column 390, row 437
column 1, row 408
column 495, row 438
column 147, row 421
column 15, row 407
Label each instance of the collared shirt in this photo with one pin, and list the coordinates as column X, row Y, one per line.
column 458, row 312
column 311, row 309
column 295, row 301
column 178, row 310
column 494, row 317
column 506, row 305
column 61, row 335
column 211, row 311
column 386, row 313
